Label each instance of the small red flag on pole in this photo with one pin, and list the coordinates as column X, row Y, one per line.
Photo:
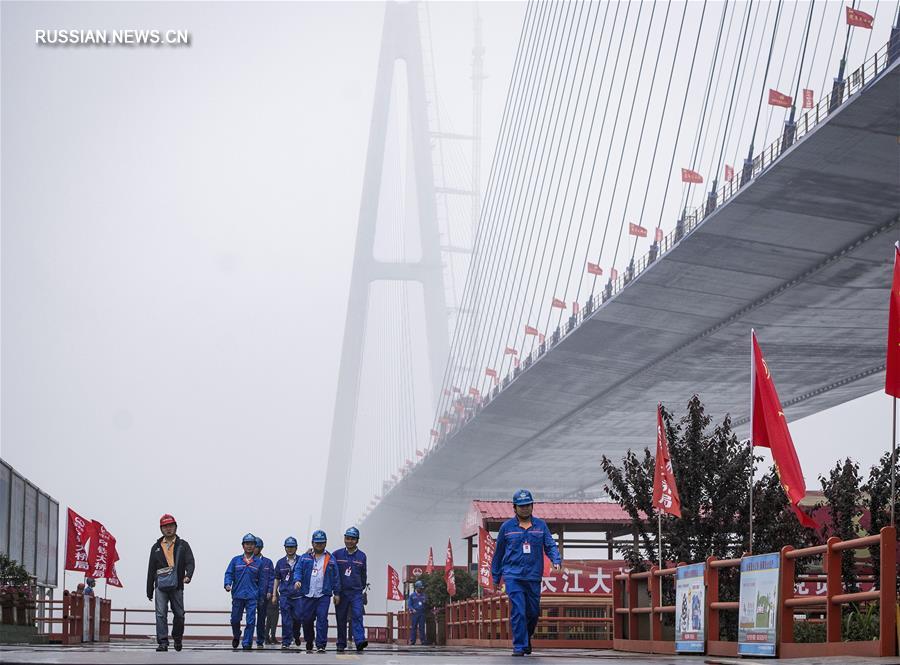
column 434, row 432
column 780, row 99
column 474, row 392
column 859, row 19
column 485, row 557
column 576, row 307
column 541, row 338
column 531, row 330
column 768, row 428
column 393, row 587
column 509, row 351
column 665, row 492
column 659, row 234
column 594, row 269
column 613, row 275
column 691, row 176
column 490, row 371
column 808, row 101
column 636, row 230
column 449, row 574
column 561, row 304
column 729, row 173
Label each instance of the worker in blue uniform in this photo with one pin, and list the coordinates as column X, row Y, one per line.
column 267, row 580
column 351, row 565
column 289, row 599
column 519, row 559
column 242, row 579
column 416, row 605
column 316, row 578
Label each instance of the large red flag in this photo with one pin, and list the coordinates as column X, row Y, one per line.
column 691, row 176
column 429, row 567
column 103, row 551
column 393, row 587
column 768, row 428
column 636, row 230
column 486, row 546
column 780, row 99
column 892, row 375
column 449, row 575
column 859, row 18
column 665, row 492
column 78, row 532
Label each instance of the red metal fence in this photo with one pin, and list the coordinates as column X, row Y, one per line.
column 76, row 618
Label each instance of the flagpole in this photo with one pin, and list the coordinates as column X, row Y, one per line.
column 752, row 473
column 894, row 462
column 659, row 518
column 750, row 440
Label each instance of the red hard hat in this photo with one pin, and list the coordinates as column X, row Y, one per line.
column 166, row 519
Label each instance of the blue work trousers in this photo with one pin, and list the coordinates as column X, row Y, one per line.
column 239, row 607
column 417, row 627
column 290, row 619
column 262, row 608
column 350, row 607
column 525, row 608
column 316, row 609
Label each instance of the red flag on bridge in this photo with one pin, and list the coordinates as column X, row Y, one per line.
column 636, row 230
column 859, row 19
column 103, row 552
column 429, row 567
column 576, row 307
column 541, row 338
column 808, row 100
column 768, row 428
column 449, row 575
column 594, row 269
column 444, row 420
column 665, row 491
column 509, row 351
column 561, row 304
column 393, row 587
column 892, row 375
column 78, row 532
column 659, row 234
column 113, row 579
column 729, row 173
column 691, row 176
column 531, row 330
column 490, row 371
column 613, row 275
column 780, row 99
column 434, row 432
column 486, row 546
column 474, row 392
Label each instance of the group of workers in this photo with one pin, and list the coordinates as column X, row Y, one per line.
column 302, row 587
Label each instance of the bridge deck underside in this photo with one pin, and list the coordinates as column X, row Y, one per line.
column 803, row 254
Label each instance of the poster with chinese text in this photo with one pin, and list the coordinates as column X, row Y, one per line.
column 758, row 605
column 690, row 608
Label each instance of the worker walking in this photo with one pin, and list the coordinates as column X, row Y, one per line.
column 289, row 598
column 316, row 578
column 519, row 559
column 351, row 565
column 416, row 605
column 243, row 579
column 267, row 579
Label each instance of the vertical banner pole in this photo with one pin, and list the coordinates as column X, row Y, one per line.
column 659, row 518
column 752, row 473
column 894, row 463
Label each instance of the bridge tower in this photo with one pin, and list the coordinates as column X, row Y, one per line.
column 401, row 40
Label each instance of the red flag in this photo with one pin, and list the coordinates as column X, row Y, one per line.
column 859, row 18
column 530, row 330
column 768, row 428
column 78, row 532
column 393, row 587
column 541, row 338
column 665, row 491
column 103, row 548
column 474, row 392
column 808, row 101
column 576, row 307
column 434, row 432
column 636, row 230
column 515, row 361
column 449, row 575
column 613, row 275
column 780, row 99
column 508, row 351
column 561, row 304
column 594, row 269
column 691, row 176
column 490, row 371
column 892, row 375
column 113, row 579
column 429, row 567
column 659, row 234
column 729, row 173
column 485, row 557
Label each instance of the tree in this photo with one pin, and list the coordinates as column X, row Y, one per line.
column 436, row 587
column 877, row 499
column 841, row 490
column 774, row 523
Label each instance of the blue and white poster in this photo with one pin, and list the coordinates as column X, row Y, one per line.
column 690, row 608
column 758, row 610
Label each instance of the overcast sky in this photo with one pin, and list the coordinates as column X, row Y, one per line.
column 177, row 240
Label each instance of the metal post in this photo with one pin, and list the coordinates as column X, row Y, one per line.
column 894, row 463
column 659, row 519
column 752, row 473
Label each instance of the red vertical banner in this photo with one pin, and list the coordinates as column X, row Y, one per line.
column 112, row 577
column 576, row 307
column 665, row 492
column 103, row 549
column 729, row 172
column 659, row 234
column 393, row 586
column 429, row 567
column 449, row 575
column 892, row 375
column 808, row 101
column 78, row 532
column 485, row 557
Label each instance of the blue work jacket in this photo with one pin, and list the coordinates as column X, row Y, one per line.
column 519, row 553
column 415, row 603
column 303, row 573
column 351, row 568
column 284, row 573
column 244, row 577
column 268, row 572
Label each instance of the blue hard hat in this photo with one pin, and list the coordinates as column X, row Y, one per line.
column 259, row 542
column 290, row 541
column 419, row 584
column 352, row 532
column 319, row 536
column 248, row 538
column 522, row 498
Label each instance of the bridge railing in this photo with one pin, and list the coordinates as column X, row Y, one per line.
column 855, row 82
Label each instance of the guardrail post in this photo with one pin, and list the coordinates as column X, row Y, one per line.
column 632, row 603
column 788, row 568
column 887, row 602
column 389, row 623
column 655, row 583
column 618, row 626
column 833, row 588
